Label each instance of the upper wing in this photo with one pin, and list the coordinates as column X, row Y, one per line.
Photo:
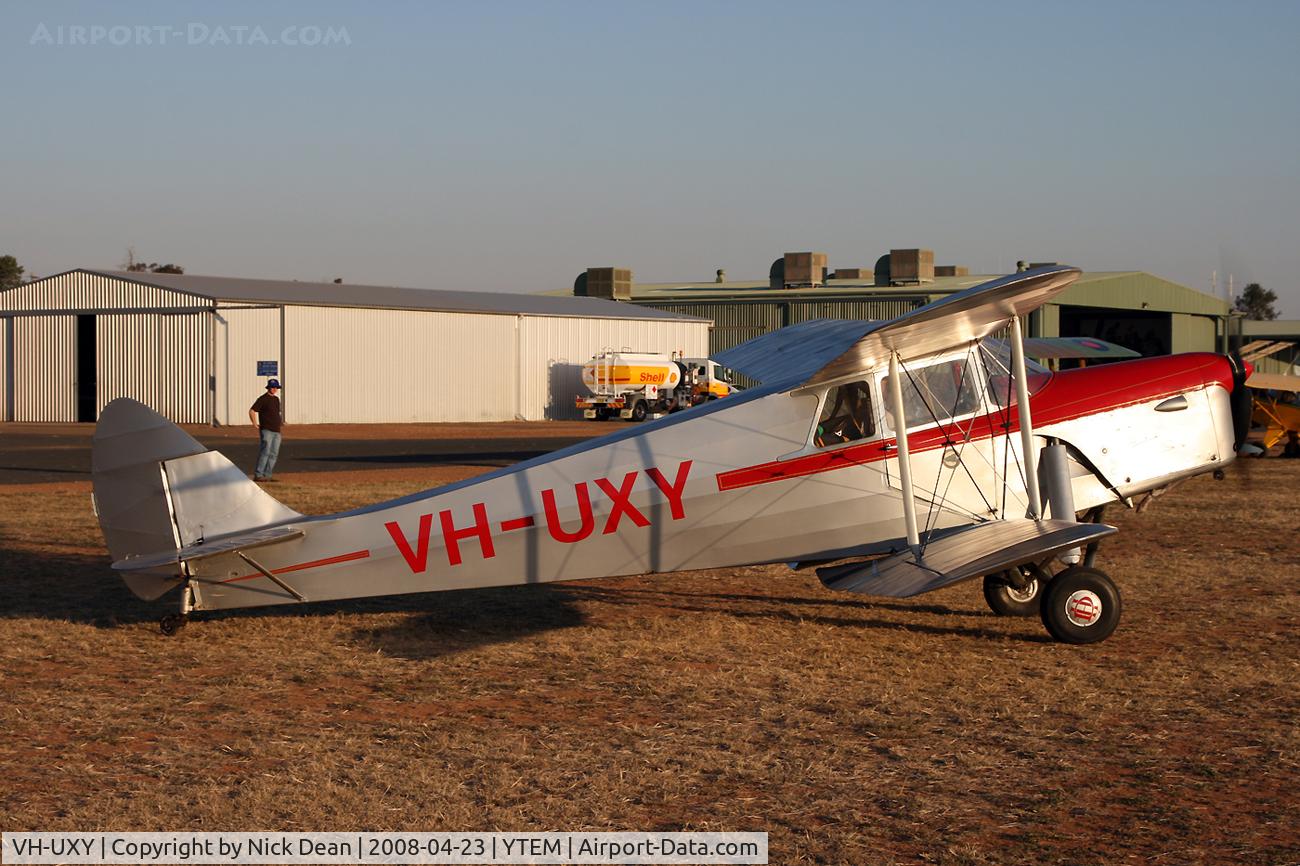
column 822, row 350
column 1274, row 381
column 1257, row 349
column 793, row 354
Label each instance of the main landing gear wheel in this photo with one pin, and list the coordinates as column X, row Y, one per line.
column 172, row 623
column 1081, row 605
column 1006, row 599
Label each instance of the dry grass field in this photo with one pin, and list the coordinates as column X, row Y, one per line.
column 854, row 731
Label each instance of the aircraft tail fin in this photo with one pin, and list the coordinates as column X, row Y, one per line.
column 157, row 490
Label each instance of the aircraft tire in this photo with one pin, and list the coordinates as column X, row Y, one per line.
column 639, row 411
column 172, row 623
column 1005, row 600
column 1081, row 605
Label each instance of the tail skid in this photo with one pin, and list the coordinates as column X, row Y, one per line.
column 163, row 499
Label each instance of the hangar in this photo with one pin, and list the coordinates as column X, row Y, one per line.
column 198, row 349
column 1276, row 330
column 1135, row 309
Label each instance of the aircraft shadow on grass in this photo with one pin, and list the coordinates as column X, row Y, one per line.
column 785, row 609
column 79, row 588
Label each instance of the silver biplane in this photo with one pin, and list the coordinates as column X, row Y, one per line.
column 1000, row 459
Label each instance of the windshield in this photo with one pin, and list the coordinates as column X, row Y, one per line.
column 935, row 394
column 997, row 361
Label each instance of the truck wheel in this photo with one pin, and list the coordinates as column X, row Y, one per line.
column 639, row 411
column 602, row 413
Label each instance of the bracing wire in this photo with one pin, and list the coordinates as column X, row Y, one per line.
column 931, row 511
column 1004, row 412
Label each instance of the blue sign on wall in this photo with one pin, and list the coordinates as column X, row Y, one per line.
column 268, row 368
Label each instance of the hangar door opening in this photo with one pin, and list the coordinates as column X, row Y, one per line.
column 1142, row 331
column 86, row 367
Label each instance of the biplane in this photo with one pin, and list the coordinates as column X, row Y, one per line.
column 1274, row 411
column 894, row 458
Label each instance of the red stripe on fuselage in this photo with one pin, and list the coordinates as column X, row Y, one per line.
column 1068, row 395
column 315, row 563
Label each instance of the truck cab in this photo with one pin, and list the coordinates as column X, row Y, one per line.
column 706, row 380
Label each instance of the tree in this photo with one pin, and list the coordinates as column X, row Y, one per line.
column 1257, row 302
column 148, row 267
column 11, row 273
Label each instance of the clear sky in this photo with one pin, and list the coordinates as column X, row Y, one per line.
column 510, row 145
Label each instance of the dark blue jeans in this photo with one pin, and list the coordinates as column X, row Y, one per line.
column 267, row 453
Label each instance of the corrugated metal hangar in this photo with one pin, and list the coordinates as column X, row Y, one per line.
column 1138, row 310
column 199, row 349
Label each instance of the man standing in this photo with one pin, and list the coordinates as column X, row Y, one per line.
column 269, row 418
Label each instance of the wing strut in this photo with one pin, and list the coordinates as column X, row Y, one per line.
column 1026, row 422
column 270, row 575
column 904, row 461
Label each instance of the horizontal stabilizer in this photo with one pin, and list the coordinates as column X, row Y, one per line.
column 204, row 550
column 1076, row 347
column 984, row 548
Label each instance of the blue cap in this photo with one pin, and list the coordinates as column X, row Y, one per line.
column 272, row 383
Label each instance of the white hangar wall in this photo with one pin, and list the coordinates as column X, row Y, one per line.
column 346, row 365
column 393, row 366
column 80, row 291
column 242, row 336
column 160, row 359
column 195, row 359
column 80, row 340
column 6, row 370
column 44, row 375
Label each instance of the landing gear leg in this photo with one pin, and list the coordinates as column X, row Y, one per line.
column 174, row 622
column 1094, row 515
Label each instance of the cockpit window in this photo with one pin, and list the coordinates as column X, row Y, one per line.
column 939, row 392
column 846, row 415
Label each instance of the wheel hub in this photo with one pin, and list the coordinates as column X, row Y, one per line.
column 1083, row 608
column 1025, row 593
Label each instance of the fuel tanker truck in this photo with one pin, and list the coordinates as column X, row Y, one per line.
column 636, row 385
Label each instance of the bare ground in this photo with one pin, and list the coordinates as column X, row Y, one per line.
column 852, row 730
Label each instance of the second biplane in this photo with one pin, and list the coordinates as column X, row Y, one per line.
column 894, row 457
column 1276, row 408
